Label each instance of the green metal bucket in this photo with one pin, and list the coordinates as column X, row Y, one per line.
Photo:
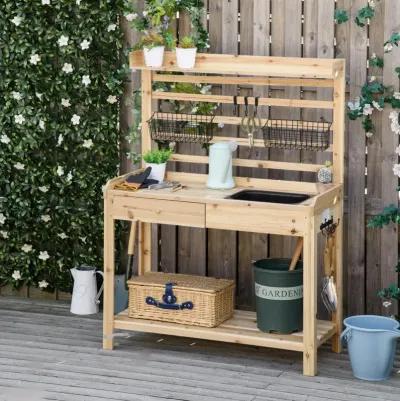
column 279, row 295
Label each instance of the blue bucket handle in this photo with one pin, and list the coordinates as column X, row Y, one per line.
column 346, row 335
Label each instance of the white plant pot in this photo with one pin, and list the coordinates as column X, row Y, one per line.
column 153, row 57
column 185, row 58
column 157, row 171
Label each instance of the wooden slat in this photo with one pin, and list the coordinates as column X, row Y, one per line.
column 232, row 80
column 266, row 164
column 356, row 177
column 295, row 186
column 190, row 97
column 241, row 65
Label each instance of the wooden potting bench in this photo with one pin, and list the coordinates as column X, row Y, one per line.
column 197, row 206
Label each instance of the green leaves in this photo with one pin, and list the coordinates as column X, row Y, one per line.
column 390, row 214
column 87, row 153
column 341, row 16
column 363, row 15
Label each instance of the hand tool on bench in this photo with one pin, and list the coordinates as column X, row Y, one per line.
column 296, row 254
column 131, row 252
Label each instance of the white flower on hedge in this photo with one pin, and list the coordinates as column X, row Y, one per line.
column 78, row 2
column 44, row 255
column 87, row 143
column 396, row 95
column 43, row 284
column 62, row 235
column 144, row 13
column 16, row 95
column 19, row 119
column 205, row 89
column 75, row 119
column 4, row 234
column 388, row 47
column 60, row 140
column 39, row 95
column 16, row 275
column 46, row 2
column 368, row 109
column 111, row 27
column 85, row 44
column 112, row 99
column 377, row 105
column 2, row 218
column 65, row 102
column 41, row 124
column 69, row 176
column 17, row 21
column 43, row 189
column 26, row 248
column 396, row 170
column 130, row 17
column 67, row 68
column 35, row 58
column 19, row 166
column 86, row 80
column 45, row 217
column 5, row 139
column 63, row 41
column 354, row 105
column 60, row 171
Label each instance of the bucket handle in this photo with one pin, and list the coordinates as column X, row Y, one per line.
column 346, row 335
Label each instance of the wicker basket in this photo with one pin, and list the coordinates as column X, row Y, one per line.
column 180, row 298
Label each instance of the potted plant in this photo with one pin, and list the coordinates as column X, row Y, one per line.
column 157, row 160
column 153, row 45
column 186, row 53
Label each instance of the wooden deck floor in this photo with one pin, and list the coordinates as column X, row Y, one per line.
column 48, row 354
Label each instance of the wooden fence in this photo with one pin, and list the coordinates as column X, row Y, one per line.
column 302, row 28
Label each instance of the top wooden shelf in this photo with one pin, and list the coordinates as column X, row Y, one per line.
column 249, row 65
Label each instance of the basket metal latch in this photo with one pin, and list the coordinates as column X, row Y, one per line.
column 169, row 300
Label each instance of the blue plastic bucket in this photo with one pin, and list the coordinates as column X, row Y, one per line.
column 371, row 342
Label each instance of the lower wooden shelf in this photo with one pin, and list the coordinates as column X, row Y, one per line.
column 240, row 329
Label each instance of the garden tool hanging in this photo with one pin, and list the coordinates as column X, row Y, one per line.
column 328, row 292
column 250, row 124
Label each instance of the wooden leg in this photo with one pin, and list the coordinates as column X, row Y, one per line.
column 337, row 317
column 310, row 299
column 108, row 307
column 144, row 248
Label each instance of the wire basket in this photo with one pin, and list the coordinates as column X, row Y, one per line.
column 296, row 134
column 172, row 127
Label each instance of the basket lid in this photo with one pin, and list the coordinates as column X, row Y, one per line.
column 182, row 281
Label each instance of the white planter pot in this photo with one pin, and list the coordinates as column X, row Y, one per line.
column 157, row 171
column 153, row 57
column 185, row 58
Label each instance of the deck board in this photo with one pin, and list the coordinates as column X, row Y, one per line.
column 58, row 356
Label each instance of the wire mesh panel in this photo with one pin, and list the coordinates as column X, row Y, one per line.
column 191, row 128
column 296, row 134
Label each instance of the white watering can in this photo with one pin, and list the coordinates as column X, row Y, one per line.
column 85, row 298
column 220, row 165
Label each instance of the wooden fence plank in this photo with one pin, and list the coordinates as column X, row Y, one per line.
column 389, row 251
column 374, row 173
column 356, row 180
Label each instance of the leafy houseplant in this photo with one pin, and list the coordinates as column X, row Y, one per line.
column 153, row 45
column 186, row 53
column 157, row 160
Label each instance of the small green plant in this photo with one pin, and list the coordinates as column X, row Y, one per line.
column 187, row 42
column 158, row 156
column 152, row 39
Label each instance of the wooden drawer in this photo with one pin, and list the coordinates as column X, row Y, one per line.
column 159, row 211
column 255, row 219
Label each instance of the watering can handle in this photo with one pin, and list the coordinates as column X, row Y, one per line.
column 346, row 335
column 101, row 288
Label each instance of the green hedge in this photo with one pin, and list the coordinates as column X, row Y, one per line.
column 60, row 83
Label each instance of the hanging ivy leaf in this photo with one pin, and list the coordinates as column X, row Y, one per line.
column 363, row 15
column 341, row 16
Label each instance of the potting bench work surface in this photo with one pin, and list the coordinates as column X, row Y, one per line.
column 48, row 354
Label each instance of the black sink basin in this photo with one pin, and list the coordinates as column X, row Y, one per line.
column 269, row 196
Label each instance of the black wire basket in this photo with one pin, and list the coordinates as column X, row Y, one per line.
column 174, row 127
column 297, row 134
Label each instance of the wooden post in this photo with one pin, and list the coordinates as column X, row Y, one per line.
column 145, row 228
column 310, row 298
column 108, row 308
column 337, row 317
